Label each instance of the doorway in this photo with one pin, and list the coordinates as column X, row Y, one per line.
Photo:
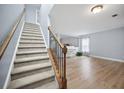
column 85, row 46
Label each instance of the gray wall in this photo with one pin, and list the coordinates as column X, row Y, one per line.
column 9, row 13
column 73, row 41
column 108, row 44
column 44, row 20
column 31, row 14
column 8, row 16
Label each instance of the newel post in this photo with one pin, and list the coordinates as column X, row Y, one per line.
column 64, row 80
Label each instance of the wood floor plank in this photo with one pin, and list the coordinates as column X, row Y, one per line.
column 93, row 73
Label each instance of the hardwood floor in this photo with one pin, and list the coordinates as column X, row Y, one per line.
column 93, row 73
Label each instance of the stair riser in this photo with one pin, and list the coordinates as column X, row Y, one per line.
column 32, row 49
column 17, row 76
column 33, row 27
column 39, row 83
column 25, row 47
column 31, row 63
column 28, row 35
column 30, row 70
column 16, row 61
column 32, row 32
column 31, row 38
column 21, row 45
column 30, row 29
column 31, row 41
column 31, row 24
column 31, row 55
column 30, row 79
column 30, row 52
column 23, row 42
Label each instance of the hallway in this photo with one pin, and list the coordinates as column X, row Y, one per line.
column 93, row 73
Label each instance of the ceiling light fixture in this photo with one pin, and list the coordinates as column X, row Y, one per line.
column 97, row 9
column 114, row 15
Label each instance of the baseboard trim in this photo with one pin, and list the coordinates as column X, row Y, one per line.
column 43, row 35
column 14, row 55
column 107, row 58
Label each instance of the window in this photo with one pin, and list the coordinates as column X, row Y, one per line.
column 85, row 45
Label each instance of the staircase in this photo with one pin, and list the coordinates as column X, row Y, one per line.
column 32, row 68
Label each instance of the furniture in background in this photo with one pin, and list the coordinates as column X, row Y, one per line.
column 71, row 51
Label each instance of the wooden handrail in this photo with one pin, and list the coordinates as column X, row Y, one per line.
column 61, row 45
column 10, row 35
column 57, row 55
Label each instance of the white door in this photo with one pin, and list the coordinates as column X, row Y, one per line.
column 85, row 46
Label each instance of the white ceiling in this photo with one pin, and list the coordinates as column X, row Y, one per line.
column 77, row 19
